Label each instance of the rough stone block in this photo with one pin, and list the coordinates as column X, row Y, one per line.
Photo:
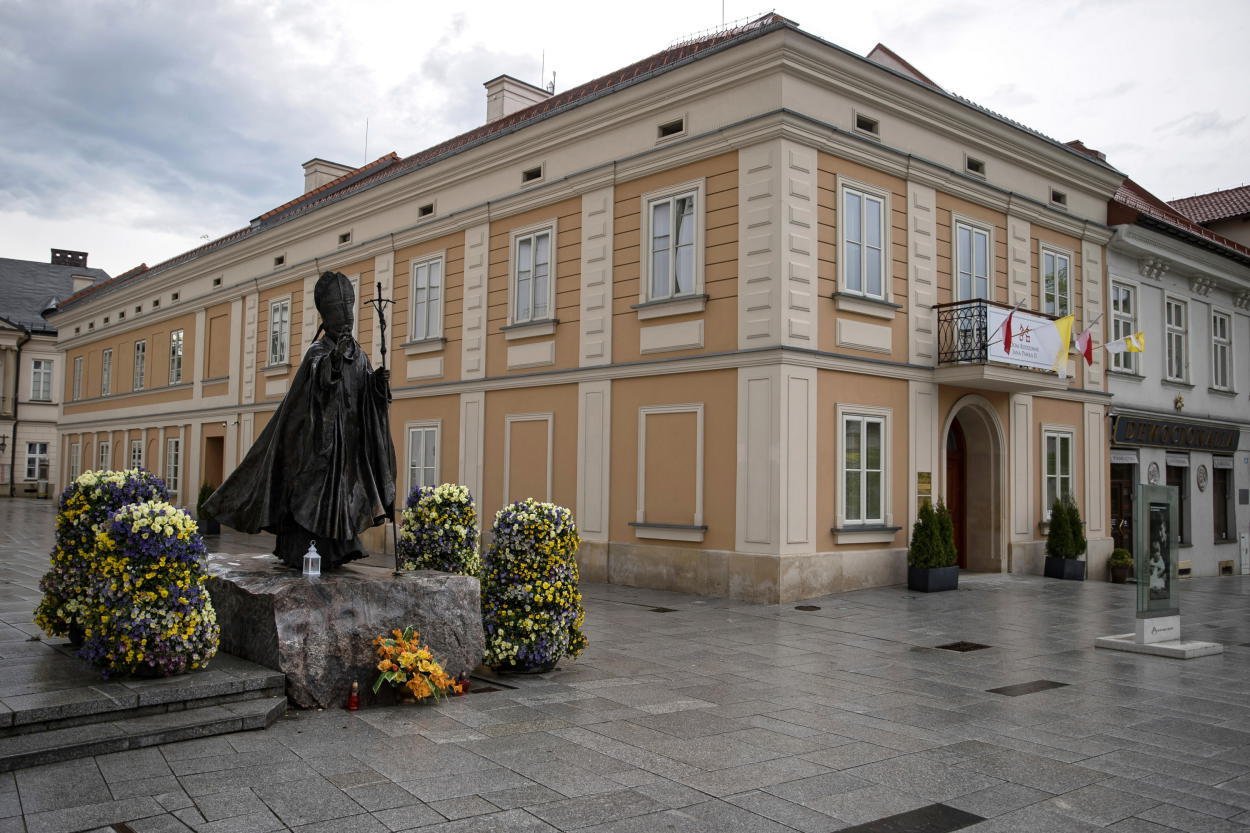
column 319, row 632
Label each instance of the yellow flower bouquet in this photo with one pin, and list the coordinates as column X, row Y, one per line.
column 405, row 663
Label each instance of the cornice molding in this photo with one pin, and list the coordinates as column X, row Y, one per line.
column 1159, row 255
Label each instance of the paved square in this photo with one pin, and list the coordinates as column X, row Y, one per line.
column 694, row 714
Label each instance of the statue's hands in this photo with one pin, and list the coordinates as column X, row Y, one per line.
column 383, row 375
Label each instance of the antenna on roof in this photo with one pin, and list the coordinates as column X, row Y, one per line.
column 551, row 88
column 733, row 26
column 366, row 159
column 542, row 72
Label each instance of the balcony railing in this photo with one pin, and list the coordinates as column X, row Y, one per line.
column 970, row 347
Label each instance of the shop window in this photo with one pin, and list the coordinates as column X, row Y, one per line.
column 1222, row 509
column 1178, row 476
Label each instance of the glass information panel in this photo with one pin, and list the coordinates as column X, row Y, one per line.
column 1155, row 542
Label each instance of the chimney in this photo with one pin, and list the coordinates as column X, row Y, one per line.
column 506, row 95
column 318, row 172
column 1081, row 147
column 64, row 257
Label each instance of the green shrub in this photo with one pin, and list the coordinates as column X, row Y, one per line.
column 1120, row 557
column 1065, row 538
column 1076, row 528
column 932, row 538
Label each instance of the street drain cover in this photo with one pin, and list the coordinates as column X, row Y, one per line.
column 962, row 646
column 663, row 610
column 807, row 607
column 1026, row 688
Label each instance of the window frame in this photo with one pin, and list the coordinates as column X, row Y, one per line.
column 882, row 196
column 104, row 455
column 173, row 465
column 177, row 339
column 422, row 427
column 697, row 189
column 106, row 372
column 136, row 461
column 515, row 238
column 1178, row 335
column 864, row 415
column 75, row 387
column 1050, row 298
column 1123, row 325
column 432, row 318
column 1224, row 345
column 975, row 228
column 36, row 461
column 74, row 462
column 1059, row 433
column 282, row 336
column 139, row 369
column 41, row 380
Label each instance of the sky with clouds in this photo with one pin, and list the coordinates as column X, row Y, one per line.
column 136, row 130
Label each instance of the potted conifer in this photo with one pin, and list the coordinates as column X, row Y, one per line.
column 931, row 553
column 1120, row 565
column 1065, row 542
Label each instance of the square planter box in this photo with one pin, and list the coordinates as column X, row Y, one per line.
column 932, row 579
column 1072, row 569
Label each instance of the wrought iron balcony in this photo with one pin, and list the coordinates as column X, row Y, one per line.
column 971, row 351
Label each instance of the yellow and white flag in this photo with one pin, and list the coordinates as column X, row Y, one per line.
column 1135, row 343
column 1053, row 342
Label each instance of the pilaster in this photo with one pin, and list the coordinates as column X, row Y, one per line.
column 594, row 446
column 472, row 442
column 1023, row 477
column 921, row 274
column 473, row 332
column 1093, row 284
column 596, row 279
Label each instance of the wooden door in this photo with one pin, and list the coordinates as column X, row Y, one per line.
column 1122, row 480
column 956, row 489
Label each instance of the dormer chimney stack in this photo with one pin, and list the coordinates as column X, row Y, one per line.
column 506, row 95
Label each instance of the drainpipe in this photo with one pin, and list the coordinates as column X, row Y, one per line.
column 17, row 389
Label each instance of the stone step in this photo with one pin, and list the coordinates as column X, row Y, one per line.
column 77, row 696
column 135, row 732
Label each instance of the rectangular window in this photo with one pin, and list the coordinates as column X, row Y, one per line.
column 280, row 332
column 427, row 299
column 75, row 460
column 36, row 461
column 863, row 472
column 1058, row 452
column 1123, row 324
column 972, row 262
column 173, row 465
column 1056, row 283
column 422, row 456
column 1222, row 509
column 105, row 456
column 141, row 364
column 863, row 243
column 1177, row 314
column 136, row 454
column 175, row 357
column 106, row 372
column 75, row 392
column 671, row 248
column 531, row 278
column 1221, row 351
column 41, row 380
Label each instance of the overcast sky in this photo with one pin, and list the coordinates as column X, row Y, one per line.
column 135, row 131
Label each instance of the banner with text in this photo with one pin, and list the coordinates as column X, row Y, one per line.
column 1032, row 338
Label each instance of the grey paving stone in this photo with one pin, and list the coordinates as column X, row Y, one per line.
column 348, row 824
column 203, row 783
column 1033, row 819
column 597, row 809
column 1135, row 825
column 999, row 799
column 406, row 818
column 304, row 801
column 792, row 815
column 919, row 775
column 463, row 808
column 1173, row 795
column 1191, row 821
column 87, row 816
column 132, row 764
column 381, row 796
column 1100, row 805
column 522, row 797
column 44, row 787
column 229, row 803
column 736, row 779
column 262, row 822
column 458, row 784
column 510, row 821
column 1034, row 771
column 144, row 786
column 167, row 823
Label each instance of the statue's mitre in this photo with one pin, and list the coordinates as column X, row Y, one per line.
column 333, row 290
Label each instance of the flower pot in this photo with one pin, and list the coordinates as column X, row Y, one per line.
column 932, row 579
column 1071, row 569
column 1120, row 573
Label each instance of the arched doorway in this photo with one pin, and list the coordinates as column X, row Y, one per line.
column 974, row 485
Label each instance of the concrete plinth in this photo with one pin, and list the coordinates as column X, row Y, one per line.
column 1175, row 648
column 320, row 632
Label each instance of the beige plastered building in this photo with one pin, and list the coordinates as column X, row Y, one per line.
column 700, row 301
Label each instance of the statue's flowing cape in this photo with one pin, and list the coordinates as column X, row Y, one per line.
column 325, row 460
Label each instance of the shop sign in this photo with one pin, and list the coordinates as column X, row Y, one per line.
column 1165, row 433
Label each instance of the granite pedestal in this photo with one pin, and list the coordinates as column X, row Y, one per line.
column 319, row 632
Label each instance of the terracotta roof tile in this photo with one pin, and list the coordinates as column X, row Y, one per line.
column 1228, row 204
column 1137, row 199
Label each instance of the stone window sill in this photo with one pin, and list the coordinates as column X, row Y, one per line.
column 277, row 370
column 529, row 329
column 865, row 534
column 1231, row 394
column 425, row 345
column 864, row 305
column 683, row 305
column 669, row 532
column 1177, row 383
